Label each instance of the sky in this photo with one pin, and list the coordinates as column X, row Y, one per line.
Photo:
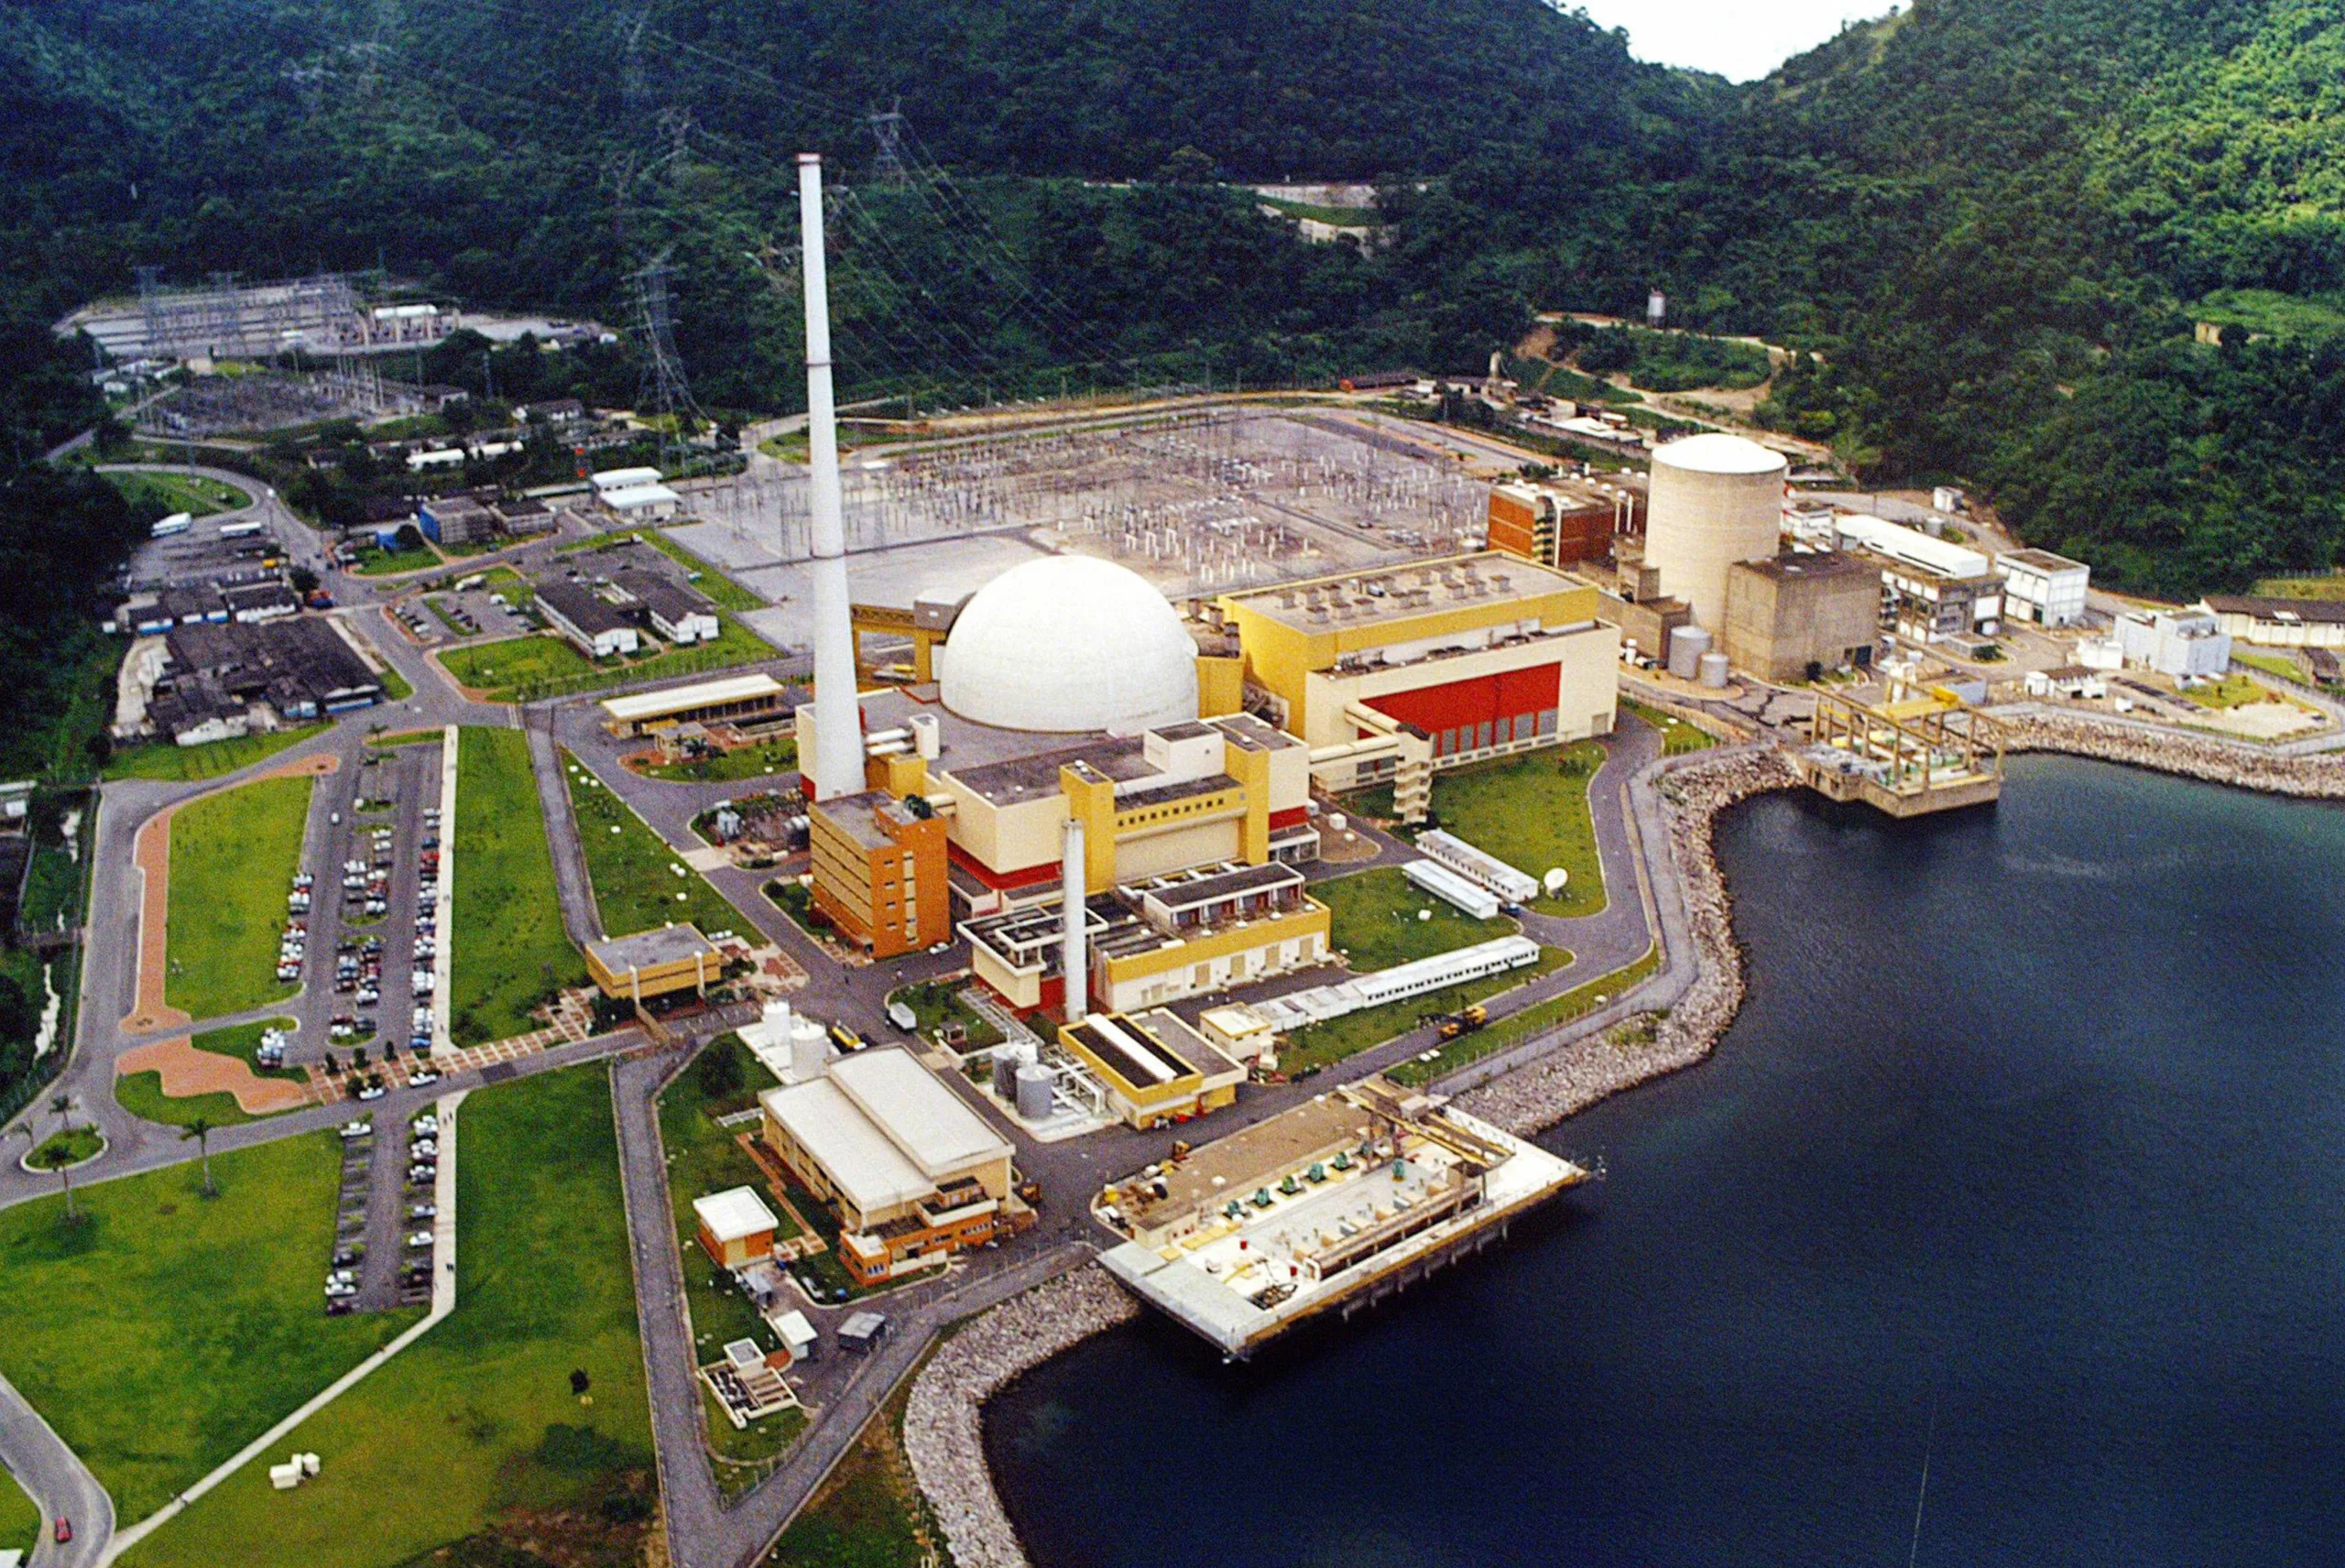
column 1740, row 40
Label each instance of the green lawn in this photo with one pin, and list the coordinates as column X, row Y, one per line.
column 438, row 604
column 639, row 883
column 774, row 756
column 168, row 1330
column 52, row 900
column 233, row 857
column 473, row 1429
column 937, row 1003
column 1678, row 737
column 374, row 563
column 1532, row 812
column 510, row 952
column 188, row 493
column 525, row 669
column 702, row 1158
column 185, row 764
column 499, row 667
column 141, row 1094
column 20, row 1521
column 722, row 591
column 2270, row 664
column 1531, row 1020
column 1317, row 1045
column 80, row 1143
column 1375, row 920
column 2233, row 690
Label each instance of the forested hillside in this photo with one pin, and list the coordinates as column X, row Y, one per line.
column 1986, row 220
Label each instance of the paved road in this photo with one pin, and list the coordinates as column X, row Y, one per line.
column 59, row 1484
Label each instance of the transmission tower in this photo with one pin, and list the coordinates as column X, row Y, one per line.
column 886, row 127
column 662, row 386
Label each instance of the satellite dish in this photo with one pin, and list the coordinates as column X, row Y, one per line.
column 1554, row 880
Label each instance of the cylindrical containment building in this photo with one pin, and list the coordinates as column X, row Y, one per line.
column 1716, row 500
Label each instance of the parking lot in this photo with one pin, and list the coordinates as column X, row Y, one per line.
column 371, row 931
column 382, row 1252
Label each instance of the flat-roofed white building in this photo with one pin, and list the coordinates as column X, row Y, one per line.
column 2042, row 587
column 651, row 502
column 914, row 1172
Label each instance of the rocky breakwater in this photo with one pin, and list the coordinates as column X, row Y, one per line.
column 1585, row 1068
column 942, row 1419
column 2246, row 767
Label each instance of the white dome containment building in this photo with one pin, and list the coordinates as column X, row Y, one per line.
column 1716, row 500
column 1070, row 643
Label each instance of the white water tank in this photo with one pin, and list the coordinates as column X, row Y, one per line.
column 1716, row 500
column 1034, row 1092
column 1005, row 1071
column 1688, row 646
column 1713, row 671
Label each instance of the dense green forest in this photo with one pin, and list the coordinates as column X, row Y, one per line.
column 1983, row 223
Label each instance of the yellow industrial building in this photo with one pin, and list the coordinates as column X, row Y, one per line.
column 1480, row 655
column 654, row 964
column 1156, row 1069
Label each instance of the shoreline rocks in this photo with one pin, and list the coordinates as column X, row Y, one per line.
column 1599, row 1063
column 942, row 1418
column 2320, row 777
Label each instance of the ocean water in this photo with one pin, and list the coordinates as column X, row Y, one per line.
column 2024, row 1164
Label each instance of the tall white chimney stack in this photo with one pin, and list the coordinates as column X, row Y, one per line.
column 838, row 720
column 1072, row 962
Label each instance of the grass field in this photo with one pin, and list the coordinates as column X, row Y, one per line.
column 168, row 1330
column 1531, row 1020
column 2233, row 690
column 870, row 1513
column 510, row 951
column 639, row 883
column 233, row 857
column 779, row 756
column 1678, row 737
column 1532, row 812
column 20, row 1521
column 185, row 764
column 391, row 562
column 473, row 1429
column 79, row 1143
column 498, row 666
column 188, row 493
column 702, row 1158
column 1375, row 920
column 722, row 591
column 525, row 669
column 2271, row 664
column 1317, row 1045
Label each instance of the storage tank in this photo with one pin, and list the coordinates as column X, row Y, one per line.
column 1714, row 670
column 1005, row 1071
column 1034, row 1092
column 810, row 1050
column 1716, row 500
column 1688, row 646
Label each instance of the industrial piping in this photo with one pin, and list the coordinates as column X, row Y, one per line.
column 838, row 765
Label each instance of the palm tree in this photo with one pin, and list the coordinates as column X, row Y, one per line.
column 201, row 1129
column 59, row 1158
column 61, row 1107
